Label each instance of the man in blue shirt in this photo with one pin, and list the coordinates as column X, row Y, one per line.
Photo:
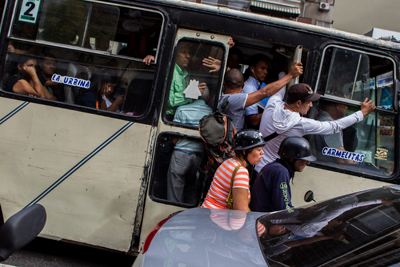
column 256, row 74
column 271, row 189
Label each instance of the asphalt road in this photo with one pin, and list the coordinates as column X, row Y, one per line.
column 48, row 253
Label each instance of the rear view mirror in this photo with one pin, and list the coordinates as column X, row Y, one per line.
column 309, row 196
column 20, row 229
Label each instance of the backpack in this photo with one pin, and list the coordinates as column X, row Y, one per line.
column 217, row 131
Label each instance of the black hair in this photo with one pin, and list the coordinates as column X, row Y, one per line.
column 236, row 51
column 99, row 79
column 23, row 58
column 325, row 104
column 48, row 55
column 243, row 154
column 253, row 61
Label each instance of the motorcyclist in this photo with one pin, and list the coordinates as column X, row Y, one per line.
column 248, row 148
column 271, row 189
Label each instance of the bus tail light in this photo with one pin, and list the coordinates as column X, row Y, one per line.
column 152, row 233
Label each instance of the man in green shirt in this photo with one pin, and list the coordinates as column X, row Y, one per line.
column 180, row 80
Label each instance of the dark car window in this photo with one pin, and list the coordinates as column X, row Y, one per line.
column 360, row 229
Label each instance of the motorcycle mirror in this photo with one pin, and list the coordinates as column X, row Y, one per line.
column 20, row 229
column 309, row 196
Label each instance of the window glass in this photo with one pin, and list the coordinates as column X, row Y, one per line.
column 179, row 170
column 355, row 76
column 111, row 29
column 367, row 146
column 323, row 24
column 89, row 75
column 192, row 83
column 360, row 229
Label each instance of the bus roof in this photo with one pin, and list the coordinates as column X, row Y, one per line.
column 283, row 22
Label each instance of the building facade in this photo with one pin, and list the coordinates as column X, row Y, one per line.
column 361, row 16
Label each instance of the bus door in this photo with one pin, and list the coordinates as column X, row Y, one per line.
column 76, row 114
column 177, row 174
column 363, row 155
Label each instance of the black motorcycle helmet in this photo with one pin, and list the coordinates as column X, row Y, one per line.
column 296, row 147
column 246, row 139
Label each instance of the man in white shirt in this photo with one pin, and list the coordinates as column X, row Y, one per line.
column 283, row 118
column 234, row 83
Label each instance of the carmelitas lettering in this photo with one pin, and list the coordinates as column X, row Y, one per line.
column 333, row 152
column 70, row 81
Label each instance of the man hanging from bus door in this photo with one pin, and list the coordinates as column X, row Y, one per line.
column 283, row 119
column 234, row 83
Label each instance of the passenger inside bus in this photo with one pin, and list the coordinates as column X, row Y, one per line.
column 235, row 58
column 103, row 83
column 26, row 81
column 180, row 80
column 254, row 76
column 48, row 66
column 330, row 111
column 182, row 177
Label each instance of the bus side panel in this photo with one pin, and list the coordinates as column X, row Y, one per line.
column 96, row 202
column 328, row 185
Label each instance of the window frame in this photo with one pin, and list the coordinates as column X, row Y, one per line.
column 171, row 74
column 154, row 165
column 145, row 117
column 87, row 50
column 350, row 101
column 354, row 103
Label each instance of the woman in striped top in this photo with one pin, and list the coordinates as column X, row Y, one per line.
column 248, row 148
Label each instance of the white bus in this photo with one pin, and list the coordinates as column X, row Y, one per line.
column 101, row 172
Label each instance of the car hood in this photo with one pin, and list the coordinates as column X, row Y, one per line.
column 207, row 237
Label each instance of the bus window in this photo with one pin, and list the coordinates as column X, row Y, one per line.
column 179, row 172
column 356, row 76
column 192, row 84
column 86, row 54
column 348, row 77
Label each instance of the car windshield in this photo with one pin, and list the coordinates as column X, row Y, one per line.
column 360, row 229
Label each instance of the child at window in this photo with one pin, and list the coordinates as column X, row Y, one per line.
column 103, row 85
